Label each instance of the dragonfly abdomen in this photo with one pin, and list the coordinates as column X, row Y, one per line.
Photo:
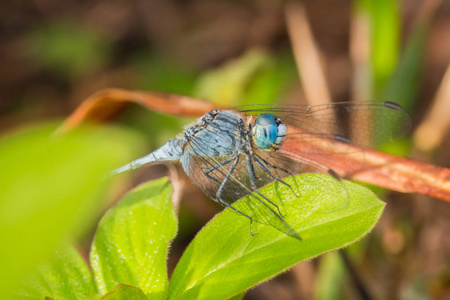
column 168, row 152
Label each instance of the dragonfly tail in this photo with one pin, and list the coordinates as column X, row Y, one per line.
column 168, row 152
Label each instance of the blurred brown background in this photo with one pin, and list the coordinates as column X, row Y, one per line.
column 54, row 54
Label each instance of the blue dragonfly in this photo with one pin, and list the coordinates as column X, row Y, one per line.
column 230, row 154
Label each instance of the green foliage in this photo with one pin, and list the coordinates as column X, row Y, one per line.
column 384, row 21
column 330, row 277
column 156, row 72
column 157, row 127
column 132, row 240
column 50, row 187
column 224, row 260
column 395, row 77
column 68, row 49
column 226, row 84
column 403, row 87
column 272, row 82
column 65, row 276
column 255, row 77
column 125, row 292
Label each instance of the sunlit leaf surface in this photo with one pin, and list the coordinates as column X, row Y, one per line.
column 50, row 185
column 123, row 292
column 65, row 276
column 224, row 259
column 131, row 242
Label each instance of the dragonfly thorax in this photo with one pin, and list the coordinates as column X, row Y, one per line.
column 219, row 132
column 269, row 132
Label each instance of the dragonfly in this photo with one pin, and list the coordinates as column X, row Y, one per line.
column 230, row 154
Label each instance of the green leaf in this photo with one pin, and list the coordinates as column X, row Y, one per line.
column 125, row 292
column 238, row 296
column 384, row 19
column 403, row 87
column 65, row 276
column 131, row 243
column 272, row 82
column 227, row 84
column 330, row 277
column 51, row 187
column 224, row 259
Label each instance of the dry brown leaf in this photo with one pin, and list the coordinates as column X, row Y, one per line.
column 377, row 168
column 107, row 104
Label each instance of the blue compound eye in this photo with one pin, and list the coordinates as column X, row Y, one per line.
column 267, row 132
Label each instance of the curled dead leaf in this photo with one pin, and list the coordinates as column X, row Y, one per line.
column 373, row 167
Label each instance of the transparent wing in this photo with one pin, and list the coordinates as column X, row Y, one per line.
column 211, row 173
column 227, row 178
column 363, row 124
column 326, row 130
column 278, row 165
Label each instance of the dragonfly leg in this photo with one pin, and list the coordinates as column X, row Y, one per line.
column 251, row 172
column 272, row 166
column 227, row 177
column 239, row 212
column 217, row 166
column 263, row 167
column 221, row 164
column 222, row 186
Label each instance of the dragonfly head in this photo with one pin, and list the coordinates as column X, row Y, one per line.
column 268, row 131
